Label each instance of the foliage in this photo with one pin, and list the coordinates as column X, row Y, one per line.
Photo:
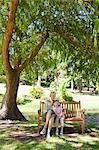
column 65, row 95
column 53, row 86
column 1, row 98
column 33, row 18
column 22, row 101
column 2, row 79
column 36, row 92
column 27, row 77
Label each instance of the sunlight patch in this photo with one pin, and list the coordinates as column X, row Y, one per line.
column 87, row 139
column 77, row 145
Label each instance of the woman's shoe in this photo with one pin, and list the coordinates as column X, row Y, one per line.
column 43, row 132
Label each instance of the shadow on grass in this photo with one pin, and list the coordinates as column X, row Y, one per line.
column 24, row 136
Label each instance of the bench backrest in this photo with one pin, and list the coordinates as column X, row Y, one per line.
column 71, row 109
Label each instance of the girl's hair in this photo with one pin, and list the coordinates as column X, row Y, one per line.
column 57, row 101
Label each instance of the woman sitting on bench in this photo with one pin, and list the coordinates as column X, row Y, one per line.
column 50, row 115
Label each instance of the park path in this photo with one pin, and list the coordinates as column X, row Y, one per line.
column 23, row 89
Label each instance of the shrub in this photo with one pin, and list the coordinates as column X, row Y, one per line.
column 53, row 86
column 20, row 101
column 1, row 98
column 23, row 100
column 2, row 79
column 36, row 92
column 65, row 95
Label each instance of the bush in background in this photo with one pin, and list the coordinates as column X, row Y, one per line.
column 2, row 79
column 63, row 92
column 23, row 100
column 53, row 86
column 20, row 101
column 1, row 98
column 67, row 97
column 36, row 92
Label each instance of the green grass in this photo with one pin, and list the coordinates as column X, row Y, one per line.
column 23, row 136
column 30, row 109
column 89, row 102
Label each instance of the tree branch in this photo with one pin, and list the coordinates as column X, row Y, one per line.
column 34, row 52
column 8, row 34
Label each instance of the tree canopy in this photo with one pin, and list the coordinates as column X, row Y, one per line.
column 65, row 31
column 72, row 25
column 75, row 21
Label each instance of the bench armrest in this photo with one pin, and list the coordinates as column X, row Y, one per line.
column 39, row 113
column 82, row 112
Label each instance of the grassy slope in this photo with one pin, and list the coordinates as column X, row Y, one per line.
column 89, row 102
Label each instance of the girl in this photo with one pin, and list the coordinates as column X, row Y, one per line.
column 60, row 116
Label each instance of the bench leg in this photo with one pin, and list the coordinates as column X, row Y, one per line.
column 38, row 126
column 82, row 127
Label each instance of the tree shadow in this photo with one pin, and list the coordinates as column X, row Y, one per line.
column 23, row 135
column 27, row 136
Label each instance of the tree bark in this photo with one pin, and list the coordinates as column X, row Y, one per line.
column 9, row 107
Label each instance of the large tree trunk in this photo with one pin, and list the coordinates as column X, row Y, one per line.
column 9, row 107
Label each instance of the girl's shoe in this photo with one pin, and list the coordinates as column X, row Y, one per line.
column 61, row 133
column 56, row 132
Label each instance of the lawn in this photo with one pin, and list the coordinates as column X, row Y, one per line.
column 89, row 102
column 24, row 136
column 30, row 109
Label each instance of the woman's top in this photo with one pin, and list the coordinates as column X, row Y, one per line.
column 48, row 106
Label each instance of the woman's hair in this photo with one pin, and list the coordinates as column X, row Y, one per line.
column 52, row 92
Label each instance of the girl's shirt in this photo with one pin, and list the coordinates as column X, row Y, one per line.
column 58, row 110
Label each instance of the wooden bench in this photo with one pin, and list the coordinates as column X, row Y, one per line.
column 72, row 110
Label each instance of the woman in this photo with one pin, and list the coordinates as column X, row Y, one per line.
column 50, row 115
